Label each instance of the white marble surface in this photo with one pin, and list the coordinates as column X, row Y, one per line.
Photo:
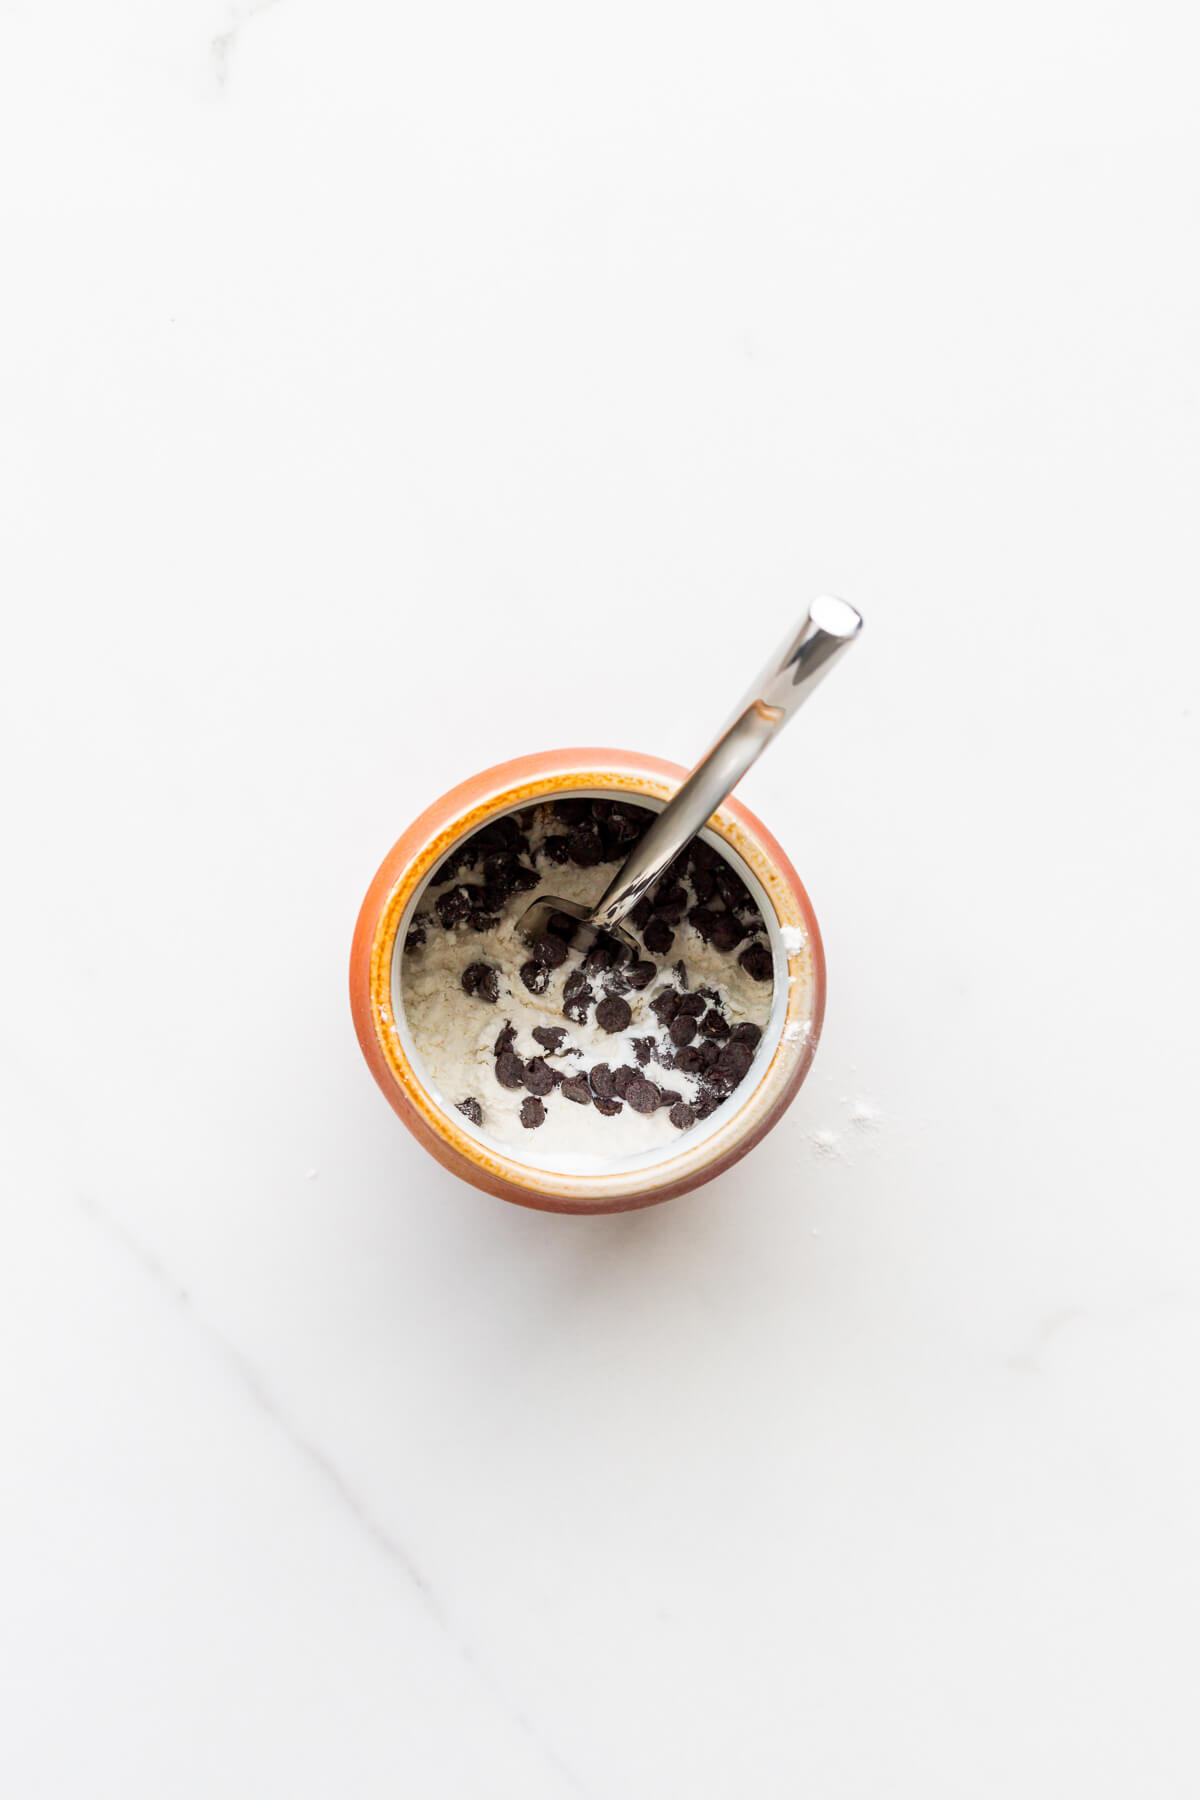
column 388, row 390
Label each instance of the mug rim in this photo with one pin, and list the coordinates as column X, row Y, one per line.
column 525, row 781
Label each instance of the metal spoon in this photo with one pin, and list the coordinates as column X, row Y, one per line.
column 784, row 685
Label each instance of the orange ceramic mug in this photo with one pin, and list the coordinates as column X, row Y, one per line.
column 783, row 1055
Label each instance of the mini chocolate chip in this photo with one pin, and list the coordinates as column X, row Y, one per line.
column 682, row 1115
column 692, row 1006
column 562, row 925
column 664, row 1006
column 704, row 884
column 716, row 1081
column 679, row 970
column 510, row 1070
column 551, row 1037
column 471, row 1109
column 453, row 906
column 688, row 1059
column 613, row 1014
column 506, row 1037
column 557, row 849
column 615, row 981
column 539, row 1076
column 735, row 1059
column 479, row 920
column 668, row 1096
column 586, row 846
column 535, row 976
column 578, row 1090
column 481, row 980
column 639, row 915
column 732, row 887
column 640, row 974
column 601, row 1078
column 726, row 933
column 714, row 1024
column 745, row 1034
column 500, row 871
column 703, row 856
column 709, row 1053
column 643, row 1049
column 623, row 1078
column 683, row 1030
column 550, row 951
column 702, row 919
column 414, row 937
column 602, row 955
column 608, row 1107
column 577, row 1010
column 658, row 937
column 642, row 1095
column 573, row 812
column 756, row 960
column 671, row 902
column 576, row 987
column 705, row 1104
column 532, row 1113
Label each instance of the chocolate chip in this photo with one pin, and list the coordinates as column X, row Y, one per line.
column 602, row 955
column 716, row 1081
column 613, row 1014
column 639, row 915
column 708, row 1053
column 623, row 1079
column 703, row 856
column 692, row 1006
column 414, row 937
column 670, row 902
column 453, row 906
column 735, row 1059
column 679, row 970
column 482, row 981
column 535, row 976
column 726, row 933
column 602, row 1081
column 533, row 1113
column 615, row 981
column 510, row 1070
column 506, row 1037
column 642, row 1095
column 704, row 884
column 643, row 1049
column 714, row 1024
column 578, row 1090
column 577, row 996
column 681, row 1115
column 745, row 1034
column 500, row 872
column 471, row 1109
column 682, row 1031
column 689, row 1060
column 668, row 1096
column 732, row 888
column 586, row 846
column 557, row 849
column 539, row 1076
column 664, row 1006
column 658, row 937
column 551, row 1037
column 608, row 1107
column 479, row 919
column 550, row 951
column 756, row 960
column 702, row 919
column 640, row 974
column 562, row 925
column 573, row 812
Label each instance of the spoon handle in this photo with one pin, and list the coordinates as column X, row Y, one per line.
column 782, row 688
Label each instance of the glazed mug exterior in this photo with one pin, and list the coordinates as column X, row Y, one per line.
column 785, row 1053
